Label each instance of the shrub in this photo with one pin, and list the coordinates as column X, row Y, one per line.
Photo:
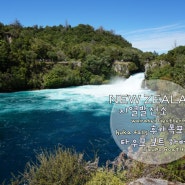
column 63, row 167
column 105, row 178
column 96, row 80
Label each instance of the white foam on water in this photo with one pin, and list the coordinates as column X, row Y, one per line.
column 87, row 97
column 130, row 85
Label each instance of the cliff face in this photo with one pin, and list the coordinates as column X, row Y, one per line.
column 124, row 68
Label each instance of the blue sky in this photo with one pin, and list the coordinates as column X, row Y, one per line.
column 148, row 24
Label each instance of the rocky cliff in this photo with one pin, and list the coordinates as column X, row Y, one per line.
column 151, row 181
column 124, row 69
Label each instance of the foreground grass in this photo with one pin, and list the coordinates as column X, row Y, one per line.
column 66, row 167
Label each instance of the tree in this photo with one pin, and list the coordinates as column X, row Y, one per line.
column 41, row 48
column 16, row 24
column 4, row 52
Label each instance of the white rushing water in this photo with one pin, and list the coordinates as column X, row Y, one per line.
column 133, row 83
column 85, row 97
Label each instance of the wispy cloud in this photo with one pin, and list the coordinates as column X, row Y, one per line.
column 160, row 39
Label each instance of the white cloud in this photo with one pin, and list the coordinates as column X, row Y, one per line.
column 159, row 39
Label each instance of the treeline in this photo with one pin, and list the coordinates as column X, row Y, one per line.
column 45, row 57
column 170, row 66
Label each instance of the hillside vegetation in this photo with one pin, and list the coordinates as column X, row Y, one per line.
column 170, row 66
column 59, row 56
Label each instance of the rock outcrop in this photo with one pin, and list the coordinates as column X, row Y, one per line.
column 124, row 68
column 151, row 65
column 150, row 181
column 122, row 162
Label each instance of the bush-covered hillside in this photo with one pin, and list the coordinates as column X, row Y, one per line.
column 170, row 66
column 59, row 56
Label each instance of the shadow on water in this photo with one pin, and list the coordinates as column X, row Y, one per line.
column 24, row 134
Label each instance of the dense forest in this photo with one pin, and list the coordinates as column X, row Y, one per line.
column 59, row 56
column 170, row 66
